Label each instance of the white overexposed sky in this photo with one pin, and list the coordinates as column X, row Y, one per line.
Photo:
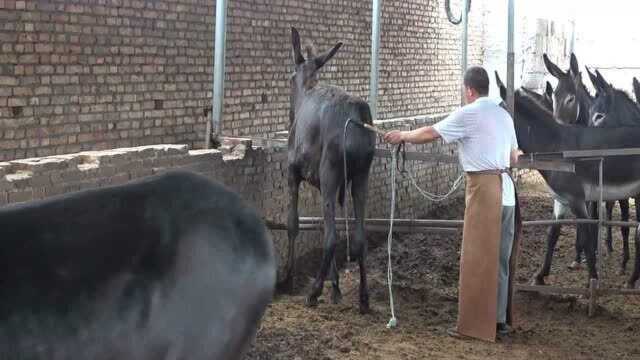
column 607, row 32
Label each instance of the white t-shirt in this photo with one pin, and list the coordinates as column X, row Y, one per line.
column 485, row 135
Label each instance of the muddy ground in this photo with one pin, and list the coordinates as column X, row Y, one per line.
column 425, row 289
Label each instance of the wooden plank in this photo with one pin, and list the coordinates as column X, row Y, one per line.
column 617, row 291
column 552, row 290
column 419, row 156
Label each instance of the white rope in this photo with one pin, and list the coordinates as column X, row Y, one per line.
column 346, row 181
column 393, row 322
column 436, row 197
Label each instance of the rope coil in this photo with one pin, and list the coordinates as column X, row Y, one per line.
column 395, row 166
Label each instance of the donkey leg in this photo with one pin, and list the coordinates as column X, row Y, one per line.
column 559, row 212
column 624, row 216
column 609, row 205
column 636, row 269
column 588, row 238
column 359, row 188
column 292, row 229
column 552, row 240
column 329, row 189
column 336, row 294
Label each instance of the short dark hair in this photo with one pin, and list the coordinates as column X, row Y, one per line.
column 477, row 78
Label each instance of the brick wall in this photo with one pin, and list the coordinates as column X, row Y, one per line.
column 92, row 75
column 258, row 174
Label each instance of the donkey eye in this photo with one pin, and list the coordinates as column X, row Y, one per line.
column 570, row 99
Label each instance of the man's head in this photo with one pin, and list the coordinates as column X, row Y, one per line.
column 476, row 83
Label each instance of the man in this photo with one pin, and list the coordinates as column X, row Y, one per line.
column 487, row 147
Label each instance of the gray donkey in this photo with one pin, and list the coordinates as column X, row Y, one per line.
column 320, row 116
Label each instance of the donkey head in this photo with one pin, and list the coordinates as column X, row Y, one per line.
column 305, row 75
column 612, row 105
column 565, row 105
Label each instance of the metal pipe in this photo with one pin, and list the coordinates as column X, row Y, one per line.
column 601, row 218
column 425, row 223
column 510, row 58
column 465, row 40
column 375, row 50
column 219, row 66
column 572, row 45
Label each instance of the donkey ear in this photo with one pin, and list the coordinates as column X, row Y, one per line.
column 501, row 87
column 553, row 68
column 602, row 83
column 549, row 90
column 573, row 65
column 326, row 56
column 295, row 43
column 636, row 89
column 594, row 80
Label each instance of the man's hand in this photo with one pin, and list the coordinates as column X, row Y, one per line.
column 394, row 137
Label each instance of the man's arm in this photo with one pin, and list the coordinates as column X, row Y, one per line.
column 422, row 135
column 450, row 129
column 514, row 156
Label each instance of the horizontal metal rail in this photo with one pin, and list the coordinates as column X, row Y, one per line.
column 559, row 290
column 399, row 224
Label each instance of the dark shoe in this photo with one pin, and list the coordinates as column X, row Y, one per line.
column 503, row 329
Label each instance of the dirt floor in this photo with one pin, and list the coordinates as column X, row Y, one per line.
column 425, row 289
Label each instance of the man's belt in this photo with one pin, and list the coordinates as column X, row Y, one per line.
column 489, row 172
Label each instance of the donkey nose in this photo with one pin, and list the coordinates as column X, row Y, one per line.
column 598, row 118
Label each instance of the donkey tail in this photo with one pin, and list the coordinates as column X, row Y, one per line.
column 341, row 193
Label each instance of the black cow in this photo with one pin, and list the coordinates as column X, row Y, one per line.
column 173, row 266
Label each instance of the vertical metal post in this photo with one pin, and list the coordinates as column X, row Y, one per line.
column 465, row 40
column 594, row 283
column 219, row 66
column 572, row 45
column 601, row 218
column 510, row 57
column 375, row 50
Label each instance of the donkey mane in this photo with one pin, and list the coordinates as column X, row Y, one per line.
column 625, row 95
column 534, row 107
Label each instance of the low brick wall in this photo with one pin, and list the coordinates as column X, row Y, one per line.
column 258, row 174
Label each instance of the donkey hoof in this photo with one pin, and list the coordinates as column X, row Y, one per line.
column 364, row 309
column 311, row 301
column 336, row 297
column 631, row 285
column 286, row 286
column 575, row 265
column 364, row 305
column 537, row 280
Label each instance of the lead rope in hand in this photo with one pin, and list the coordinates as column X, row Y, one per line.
column 346, row 181
column 393, row 322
